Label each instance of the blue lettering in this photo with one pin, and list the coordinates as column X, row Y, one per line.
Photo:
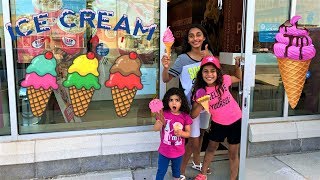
column 38, row 23
column 123, row 24
column 19, row 23
column 87, row 15
column 63, row 15
column 103, row 19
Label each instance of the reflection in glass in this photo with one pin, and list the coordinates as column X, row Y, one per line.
column 268, row 92
column 69, row 43
column 309, row 102
column 4, row 106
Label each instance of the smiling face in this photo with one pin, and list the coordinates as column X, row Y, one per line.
column 209, row 74
column 195, row 37
column 175, row 104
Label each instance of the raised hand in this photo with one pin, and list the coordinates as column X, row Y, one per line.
column 205, row 52
column 165, row 61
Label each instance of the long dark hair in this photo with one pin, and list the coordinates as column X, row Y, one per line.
column 179, row 92
column 186, row 47
column 200, row 83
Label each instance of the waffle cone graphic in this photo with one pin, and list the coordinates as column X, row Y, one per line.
column 122, row 99
column 38, row 99
column 168, row 47
column 80, row 99
column 293, row 74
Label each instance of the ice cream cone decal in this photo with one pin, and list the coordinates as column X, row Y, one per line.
column 124, row 81
column 40, row 80
column 294, row 50
column 168, row 40
column 82, row 81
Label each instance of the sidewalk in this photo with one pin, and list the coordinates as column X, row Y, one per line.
column 303, row 166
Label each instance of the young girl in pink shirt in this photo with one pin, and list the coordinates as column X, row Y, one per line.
column 225, row 111
column 173, row 122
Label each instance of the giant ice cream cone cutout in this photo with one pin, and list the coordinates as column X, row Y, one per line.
column 294, row 50
column 124, row 81
column 40, row 79
column 82, row 80
column 168, row 40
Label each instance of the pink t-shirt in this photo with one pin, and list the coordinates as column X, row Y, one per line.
column 224, row 110
column 172, row 146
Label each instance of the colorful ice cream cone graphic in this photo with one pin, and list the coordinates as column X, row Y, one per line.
column 294, row 50
column 82, row 81
column 168, row 40
column 124, row 81
column 40, row 80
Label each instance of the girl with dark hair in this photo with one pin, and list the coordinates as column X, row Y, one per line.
column 196, row 46
column 225, row 111
column 173, row 122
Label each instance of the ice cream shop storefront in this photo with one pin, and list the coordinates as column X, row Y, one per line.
column 77, row 77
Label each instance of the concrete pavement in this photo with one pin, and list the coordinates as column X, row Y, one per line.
column 303, row 166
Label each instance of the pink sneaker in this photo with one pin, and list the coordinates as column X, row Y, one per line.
column 200, row 177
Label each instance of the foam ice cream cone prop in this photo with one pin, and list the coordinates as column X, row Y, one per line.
column 204, row 101
column 40, row 80
column 168, row 40
column 82, row 80
column 294, row 50
column 168, row 47
column 156, row 105
column 124, row 81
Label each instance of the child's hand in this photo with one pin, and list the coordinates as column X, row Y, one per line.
column 165, row 61
column 238, row 60
column 205, row 52
column 178, row 132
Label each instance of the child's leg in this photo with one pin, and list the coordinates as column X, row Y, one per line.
column 191, row 145
column 163, row 163
column 234, row 160
column 193, row 142
column 208, row 157
column 175, row 166
column 204, row 124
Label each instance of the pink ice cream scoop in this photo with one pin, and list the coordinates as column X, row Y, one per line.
column 200, row 92
column 156, row 105
column 293, row 42
column 168, row 36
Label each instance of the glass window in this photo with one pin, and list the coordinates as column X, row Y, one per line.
column 4, row 106
column 85, row 64
column 309, row 101
column 268, row 92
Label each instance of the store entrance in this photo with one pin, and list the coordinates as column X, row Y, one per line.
column 222, row 21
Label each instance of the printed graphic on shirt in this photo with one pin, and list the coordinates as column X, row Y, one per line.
column 222, row 101
column 168, row 136
column 193, row 72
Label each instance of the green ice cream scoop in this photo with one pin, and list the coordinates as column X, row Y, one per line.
column 42, row 66
column 88, row 81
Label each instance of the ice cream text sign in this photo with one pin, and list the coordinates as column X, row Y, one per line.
column 87, row 16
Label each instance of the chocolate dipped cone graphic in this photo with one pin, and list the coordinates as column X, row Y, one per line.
column 294, row 51
column 124, row 81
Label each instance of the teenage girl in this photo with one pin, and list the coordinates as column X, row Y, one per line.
column 195, row 47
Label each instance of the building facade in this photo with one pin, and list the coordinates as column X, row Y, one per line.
column 64, row 112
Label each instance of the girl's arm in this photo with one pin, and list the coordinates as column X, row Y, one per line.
column 160, row 121
column 238, row 72
column 185, row 134
column 157, row 125
column 166, row 77
column 196, row 109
